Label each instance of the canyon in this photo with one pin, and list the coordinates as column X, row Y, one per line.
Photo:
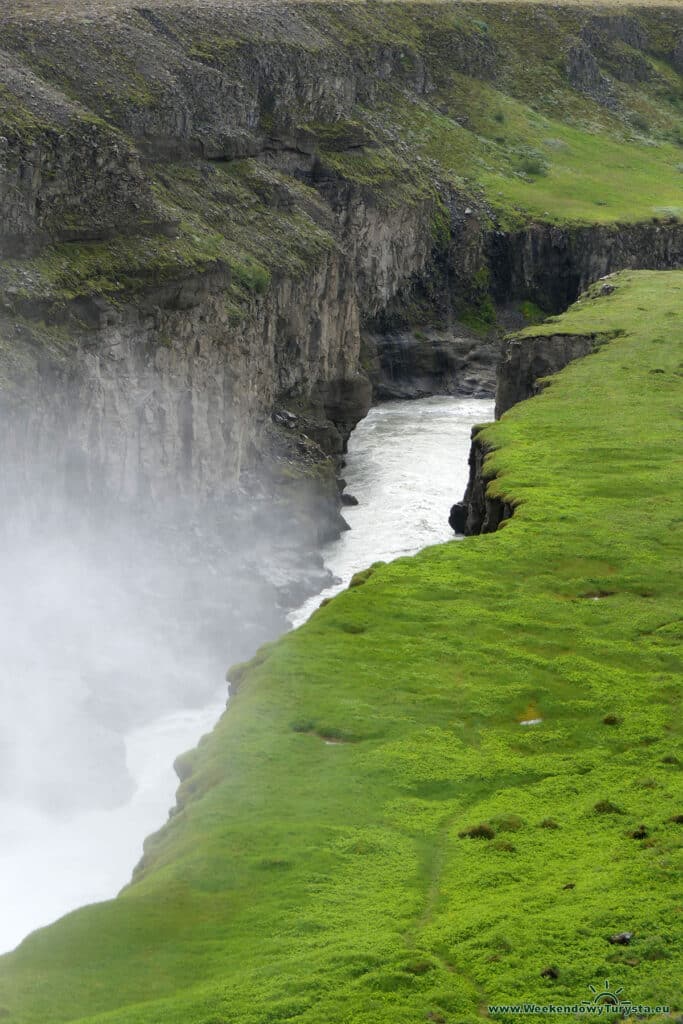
column 207, row 226
column 227, row 230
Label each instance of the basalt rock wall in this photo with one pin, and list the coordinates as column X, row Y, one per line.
column 527, row 361
column 478, row 512
column 169, row 396
column 525, row 365
column 166, row 363
column 552, row 265
column 169, row 393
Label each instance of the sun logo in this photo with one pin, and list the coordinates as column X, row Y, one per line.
column 605, row 996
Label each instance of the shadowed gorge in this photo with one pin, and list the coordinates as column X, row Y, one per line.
column 226, row 230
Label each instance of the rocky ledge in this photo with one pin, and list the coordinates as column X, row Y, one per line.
column 527, row 365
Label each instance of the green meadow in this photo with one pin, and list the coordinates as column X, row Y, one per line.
column 514, row 133
column 371, row 834
column 529, row 164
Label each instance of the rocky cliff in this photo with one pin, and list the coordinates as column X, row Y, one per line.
column 479, row 511
column 527, row 364
column 527, row 361
column 552, row 264
column 204, row 207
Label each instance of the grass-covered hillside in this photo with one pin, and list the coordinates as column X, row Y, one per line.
column 372, row 834
column 138, row 129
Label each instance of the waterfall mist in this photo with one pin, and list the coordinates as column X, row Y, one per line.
column 119, row 619
column 117, row 623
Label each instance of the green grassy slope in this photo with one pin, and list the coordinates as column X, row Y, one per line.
column 531, row 165
column 500, row 116
column 512, row 128
column 320, row 868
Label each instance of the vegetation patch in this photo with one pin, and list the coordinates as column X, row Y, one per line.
column 481, row 831
column 250, row 904
column 228, row 219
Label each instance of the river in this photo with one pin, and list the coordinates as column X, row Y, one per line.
column 406, row 464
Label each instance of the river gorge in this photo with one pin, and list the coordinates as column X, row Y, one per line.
column 100, row 693
column 265, row 269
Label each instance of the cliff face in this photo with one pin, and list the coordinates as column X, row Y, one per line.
column 203, row 207
column 526, row 361
column 478, row 512
column 524, row 365
column 552, row 265
column 168, row 396
column 527, row 364
column 415, row 364
column 175, row 393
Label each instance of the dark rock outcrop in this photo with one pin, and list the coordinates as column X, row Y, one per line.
column 478, row 512
column 457, row 518
column 167, row 397
column 526, row 361
column 552, row 265
column 583, row 71
column 413, row 364
column 677, row 55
